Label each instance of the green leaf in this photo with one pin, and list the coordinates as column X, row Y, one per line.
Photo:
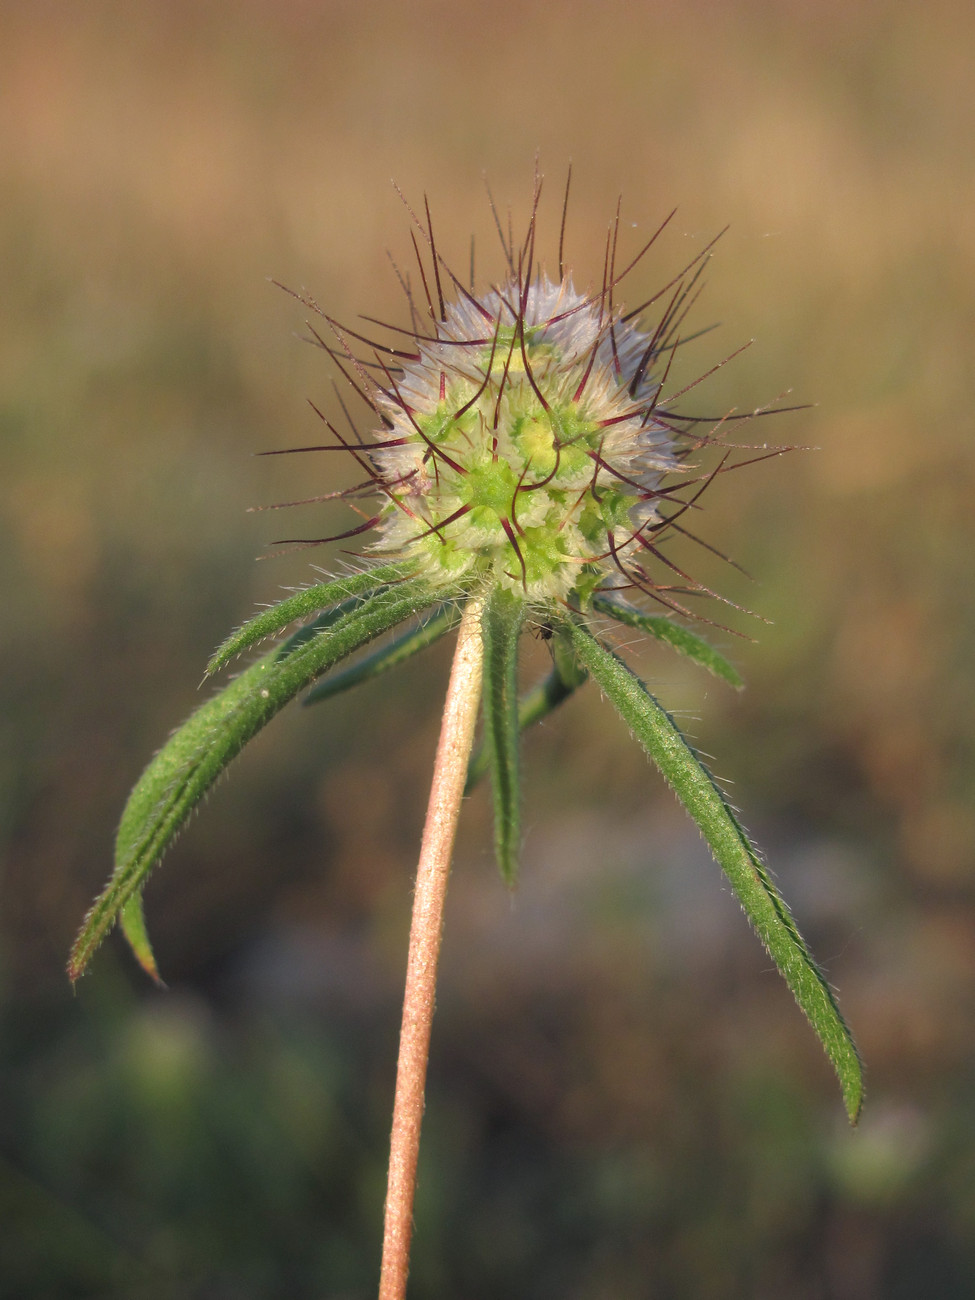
column 566, row 677
column 664, row 629
column 441, row 621
column 567, row 669
column 504, row 614
column 307, row 601
column 132, row 919
column 197, row 754
column 700, row 795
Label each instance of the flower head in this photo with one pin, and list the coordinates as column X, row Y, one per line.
column 522, row 445
column 524, row 438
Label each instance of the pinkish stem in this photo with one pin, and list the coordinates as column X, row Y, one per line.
column 433, row 872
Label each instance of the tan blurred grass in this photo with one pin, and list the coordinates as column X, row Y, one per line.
column 159, row 162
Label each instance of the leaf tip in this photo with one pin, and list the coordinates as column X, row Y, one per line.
column 214, row 664
column 853, row 1096
column 81, row 951
column 152, row 971
column 133, row 924
column 147, row 961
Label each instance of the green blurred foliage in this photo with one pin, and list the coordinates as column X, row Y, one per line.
column 623, row 1100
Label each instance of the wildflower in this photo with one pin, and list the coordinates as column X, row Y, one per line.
column 522, row 448
column 527, row 467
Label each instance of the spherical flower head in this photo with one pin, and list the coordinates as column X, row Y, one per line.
column 523, row 441
column 522, row 446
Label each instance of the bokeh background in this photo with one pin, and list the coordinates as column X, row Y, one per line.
column 623, row 1101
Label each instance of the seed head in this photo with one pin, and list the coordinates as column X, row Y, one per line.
column 524, row 440
column 522, row 444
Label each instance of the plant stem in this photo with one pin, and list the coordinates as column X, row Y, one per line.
column 433, row 871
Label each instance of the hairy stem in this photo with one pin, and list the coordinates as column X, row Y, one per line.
column 443, row 810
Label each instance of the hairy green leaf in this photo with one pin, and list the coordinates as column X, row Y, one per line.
column 700, row 795
column 132, row 919
column 309, row 600
column 566, row 677
column 664, row 629
column 441, row 621
column 196, row 755
column 504, row 613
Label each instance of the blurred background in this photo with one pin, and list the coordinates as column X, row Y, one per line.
column 623, row 1099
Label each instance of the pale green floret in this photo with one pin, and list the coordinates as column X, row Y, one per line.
column 493, row 482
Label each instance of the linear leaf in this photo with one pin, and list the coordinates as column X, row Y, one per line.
column 664, row 629
column 132, row 919
column 566, row 677
column 307, row 601
column 441, row 621
column 196, row 755
column 504, row 613
column 700, row 795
